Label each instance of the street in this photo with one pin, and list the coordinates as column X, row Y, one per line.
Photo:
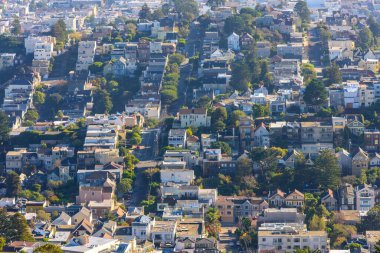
column 146, row 154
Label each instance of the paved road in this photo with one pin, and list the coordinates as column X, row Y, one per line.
column 147, row 156
column 185, row 74
column 193, row 41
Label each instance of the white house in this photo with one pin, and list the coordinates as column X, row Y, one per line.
column 141, row 227
column 233, row 42
column 194, row 117
column 179, row 176
column 177, row 138
column 261, row 137
column 365, row 197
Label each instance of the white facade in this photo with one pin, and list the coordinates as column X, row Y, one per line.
column 234, row 42
column 31, row 41
column 86, row 53
column 43, row 51
column 179, row 176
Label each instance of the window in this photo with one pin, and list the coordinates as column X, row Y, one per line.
column 296, row 239
column 264, row 239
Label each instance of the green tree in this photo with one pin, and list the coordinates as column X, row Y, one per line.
column 177, row 59
column 241, row 76
column 168, row 96
column 374, row 26
column 16, row 27
column 315, row 93
column 43, row 216
column 244, row 168
column 220, row 114
column 4, row 128
column 234, row 118
column 365, row 39
column 333, row 74
column 377, row 247
column 135, row 139
column 302, row 11
column 48, row 248
column 2, row 243
column 38, row 98
column 308, row 73
column 212, row 221
column 31, row 115
column 372, row 220
column 102, row 101
column 124, row 186
column 225, row 148
column 96, row 67
column 327, row 170
column 219, row 126
column 145, row 12
column 260, row 110
column 13, row 184
column 317, row 223
column 20, row 227
column 59, row 31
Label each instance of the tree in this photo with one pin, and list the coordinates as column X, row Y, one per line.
column 315, row 93
column 16, row 27
column 372, row 220
column 168, row 96
column 96, row 67
column 48, row 248
column 241, row 76
column 220, row 114
column 377, row 247
column 38, row 98
column 13, row 184
column 59, row 31
column 243, row 168
column 327, row 170
column 219, row 126
column 19, row 225
column 177, row 59
column 215, row 3
column 2, row 243
column 365, row 39
column 135, row 139
column 225, row 148
column 317, row 223
column 31, row 115
column 43, row 216
column 145, row 12
column 302, row 11
column 308, row 73
column 4, row 128
column 234, row 118
column 124, row 186
column 333, row 74
column 102, row 101
column 260, row 110
column 212, row 221
column 374, row 26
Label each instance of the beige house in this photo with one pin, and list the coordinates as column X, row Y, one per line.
column 295, row 199
column 359, row 162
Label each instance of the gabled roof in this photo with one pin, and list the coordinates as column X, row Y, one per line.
column 63, row 219
column 86, row 225
column 295, row 192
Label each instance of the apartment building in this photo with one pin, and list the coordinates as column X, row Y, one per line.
column 290, row 240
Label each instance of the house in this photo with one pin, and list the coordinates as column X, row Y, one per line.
column 346, row 197
column 316, row 132
column 233, row 42
column 194, row 117
column 177, row 138
column 364, row 198
column 295, row 199
column 290, row 51
column 246, row 41
column 371, row 139
column 247, row 133
column 277, row 199
column 261, row 136
column 7, row 60
column 83, row 214
column 86, row 53
column 141, row 227
column 163, row 232
column 282, row 215
column 375, row 160
column 117, row 67
column 91, row 244
column 214, row 162
column 329, row 201
column 193, row 143
column 62, row 219
column 178, row 176
column 207, row 140
column 356, row 127
column 291, row 240
column 345, row 161
column 291, row 158
column 360, row 162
